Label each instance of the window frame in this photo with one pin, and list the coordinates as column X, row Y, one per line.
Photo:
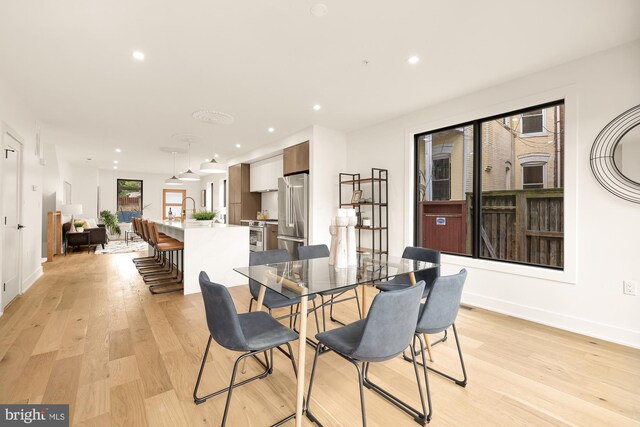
column 165, row 204
column 476, row 219
column 118, row 193
column 543, row 132
column 531, row 160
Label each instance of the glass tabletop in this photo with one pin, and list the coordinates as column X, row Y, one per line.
column 297, row 278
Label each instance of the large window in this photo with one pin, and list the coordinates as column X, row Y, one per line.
column 129, row 195
column 493, row 188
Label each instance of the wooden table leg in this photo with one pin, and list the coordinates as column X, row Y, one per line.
column 263, row 290
column 363, row 300
column 412, row 280
column 302, row 346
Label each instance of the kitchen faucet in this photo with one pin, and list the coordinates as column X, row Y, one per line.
column 184, row 207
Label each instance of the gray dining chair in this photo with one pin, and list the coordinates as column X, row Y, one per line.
column 418, row 254
column 439, row 313
column 272, row 299
column 322, row 251
column 251, row 333
column 385, row 333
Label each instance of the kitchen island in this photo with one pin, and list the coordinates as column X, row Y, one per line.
column 210, row 247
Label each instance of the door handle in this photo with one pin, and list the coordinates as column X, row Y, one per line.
column 20, row 226
column 291, row 206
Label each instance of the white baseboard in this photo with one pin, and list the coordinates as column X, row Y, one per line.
column 615, row 334
column 33, row 277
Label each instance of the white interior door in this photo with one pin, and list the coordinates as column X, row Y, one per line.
column 11, row 216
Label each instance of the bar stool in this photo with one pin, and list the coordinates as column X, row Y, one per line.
column 173, row 276
column 140, row 227
column 157, row 264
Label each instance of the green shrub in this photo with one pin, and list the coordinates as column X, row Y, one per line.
column 205, row 215
column 110, row 222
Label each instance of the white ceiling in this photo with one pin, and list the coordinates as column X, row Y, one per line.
column 267, row 62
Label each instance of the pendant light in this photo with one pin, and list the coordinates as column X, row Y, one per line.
column 212, row 167
column 189, row 175
column 173, row 180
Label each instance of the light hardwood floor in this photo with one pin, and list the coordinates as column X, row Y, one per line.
column 90, row 334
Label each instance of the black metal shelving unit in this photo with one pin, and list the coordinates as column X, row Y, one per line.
column 376, row 191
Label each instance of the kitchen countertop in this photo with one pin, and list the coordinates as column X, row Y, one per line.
column 178, row 225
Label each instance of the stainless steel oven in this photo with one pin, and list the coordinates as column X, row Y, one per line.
column 257, row 236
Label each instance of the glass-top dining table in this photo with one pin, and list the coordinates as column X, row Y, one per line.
column 304, row 278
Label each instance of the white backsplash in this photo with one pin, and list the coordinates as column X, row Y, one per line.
column 270, row 203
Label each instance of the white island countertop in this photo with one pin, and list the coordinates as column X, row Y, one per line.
column 210, row 247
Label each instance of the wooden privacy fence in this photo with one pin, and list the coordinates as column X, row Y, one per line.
column 522, row 225
column 126, row 203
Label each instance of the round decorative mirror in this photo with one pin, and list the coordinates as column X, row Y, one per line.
column 626, row 155
column 615, row 156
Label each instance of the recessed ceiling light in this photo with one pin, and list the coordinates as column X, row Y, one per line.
column 138, row 56
column 237, row 145
column 206, row 160
column 216, row 155
column 414, row 59
column 271, row 130
column 118, row 150
column 115, row 161
column 115, row 167
column 317, row 107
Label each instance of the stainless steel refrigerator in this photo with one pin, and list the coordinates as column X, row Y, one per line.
column 293, row 212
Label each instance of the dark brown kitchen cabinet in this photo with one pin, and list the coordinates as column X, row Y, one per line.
column 242, row 203
column 235, row 184
column 272, row 236
column 235, row 213
column 296, row 159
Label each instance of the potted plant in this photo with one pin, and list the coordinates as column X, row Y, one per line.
column 366, row 222
column 79, row 226
column 110, row 222
column 205, row 215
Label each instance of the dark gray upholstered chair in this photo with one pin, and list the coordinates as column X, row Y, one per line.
column 418, row 254
column 385, row 333
column 252, row 333
column 322, row 251
column 272, row 299
column 439, row 313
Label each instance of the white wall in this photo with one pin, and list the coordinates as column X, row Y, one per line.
column 327, row 158
column 602, row 232
column 152, row 185
column 16, row 116
column 205, row 184
column 55, row 172
column 84, row 189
